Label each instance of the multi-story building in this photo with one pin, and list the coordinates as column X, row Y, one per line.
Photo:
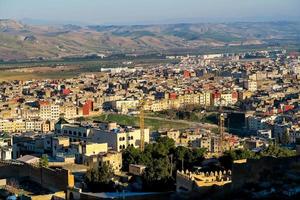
column 5, row 147
column 49, row 111
column 10, row 126
column 69, row 111
column 118, row 138
column 125, row 105
column 250, row 85
column 18, row 125
column 256, row 123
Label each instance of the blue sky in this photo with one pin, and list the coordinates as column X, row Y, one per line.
column 150, row 11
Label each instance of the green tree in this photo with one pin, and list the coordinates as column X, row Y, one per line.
column 131, row 155
column 194, row 157
column 286, row 137
column 273, row 150
column 99, row 179
column 157, row 176
column 180, row 153
column 43, row 161
column 276, row 151
column 167, row 142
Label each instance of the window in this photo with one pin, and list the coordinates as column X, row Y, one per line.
column 70, row 132
column 84, row 134
column 74, row 133
column 79, row 134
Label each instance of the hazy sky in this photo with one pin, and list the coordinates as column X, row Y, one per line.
column 150, row 11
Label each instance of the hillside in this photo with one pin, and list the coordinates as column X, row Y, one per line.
column 21, row 41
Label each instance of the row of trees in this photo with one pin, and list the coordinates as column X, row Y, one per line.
column 273, row 151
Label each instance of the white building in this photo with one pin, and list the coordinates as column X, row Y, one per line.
column 49, row 111
column 250, row 85
column 5, row 147
column 118, row 138
column 267, row 134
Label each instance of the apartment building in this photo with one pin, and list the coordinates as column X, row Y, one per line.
column 250, row 85
column 18, row 125
column 69, row 111
column 5, row 147
column 118, row 138
column 224, row 98
column 112, row 158
column 49, row 111
column 10, row 126
column 256, row 123
column 125, row 105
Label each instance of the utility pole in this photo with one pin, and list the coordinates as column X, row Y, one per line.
column 142, row 124
column 221, row 126
column 171, row 168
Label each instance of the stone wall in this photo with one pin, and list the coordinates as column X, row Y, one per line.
column 258, row 170
column 200, row 181
column 52, row 179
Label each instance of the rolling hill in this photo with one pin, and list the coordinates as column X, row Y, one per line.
column 21, row 41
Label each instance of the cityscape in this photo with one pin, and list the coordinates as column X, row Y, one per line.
column 160, row 104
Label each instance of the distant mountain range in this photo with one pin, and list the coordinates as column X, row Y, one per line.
column 21, row 41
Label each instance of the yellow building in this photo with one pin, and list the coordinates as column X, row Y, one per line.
column 94, row 148
column 69, row 111
column 195, row 181
column 113, row 158
column 173, row 134
column 12, row 126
